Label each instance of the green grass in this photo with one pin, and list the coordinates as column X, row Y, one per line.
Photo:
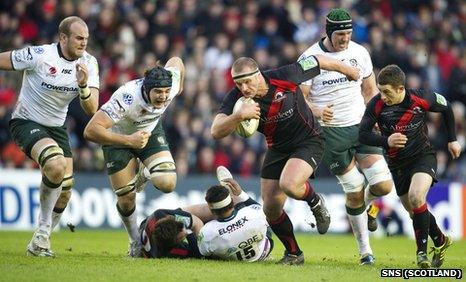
column 97, row 255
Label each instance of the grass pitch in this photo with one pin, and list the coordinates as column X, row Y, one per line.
column 97, row 255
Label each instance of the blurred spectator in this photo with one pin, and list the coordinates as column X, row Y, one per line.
column 426, row 38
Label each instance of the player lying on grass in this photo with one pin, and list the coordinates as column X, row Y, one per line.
column 236, row 227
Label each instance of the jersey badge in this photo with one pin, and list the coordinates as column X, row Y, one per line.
column 38, row 50
column 308, row 63
column 353, row 62
column 440, row 99
column 128, row 99
column 279, row 96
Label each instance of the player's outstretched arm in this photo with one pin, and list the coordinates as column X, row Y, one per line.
column 331, row 64
column 5, row 61
column 369, row 88
column 177, row 63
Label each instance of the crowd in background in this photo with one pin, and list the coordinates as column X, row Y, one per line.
column 426, row 38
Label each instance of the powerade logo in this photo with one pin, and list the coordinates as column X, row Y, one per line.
column 333, row 81
column 59, row 88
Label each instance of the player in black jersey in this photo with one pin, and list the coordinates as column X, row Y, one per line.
column 401, row 117
column 170, row 233
column 293, row 137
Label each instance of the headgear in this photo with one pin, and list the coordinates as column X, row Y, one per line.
column 157, row 77
column 337, row 19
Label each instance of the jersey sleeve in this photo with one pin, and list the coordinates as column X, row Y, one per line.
column 118, row 105
column 203, row 243
column 303, row 70
column 228, row 102
column 367, row 63
column 436, row 102
column 176, row 81
column 26, row 58
column 306, row 54
column 366, row 134
column 93, row 69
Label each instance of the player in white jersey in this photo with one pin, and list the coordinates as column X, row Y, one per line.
column 240, row 231
column 340, row 104
column 129, row 127
column 53, row 75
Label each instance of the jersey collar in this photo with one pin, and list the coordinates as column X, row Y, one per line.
column 235, row 211
column 60, row 53
column 322, row 46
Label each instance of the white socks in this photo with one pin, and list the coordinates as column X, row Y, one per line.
column 48, row 198
column 131, row 226
column 359, row 225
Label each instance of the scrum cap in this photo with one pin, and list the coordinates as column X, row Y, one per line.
column 157, row 77
column 338, row 19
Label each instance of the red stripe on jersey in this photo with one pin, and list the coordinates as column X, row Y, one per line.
column 179, row 252
column 275, row 107
column 150, row 225
column 283, row 84
column 378, row 107
column 422, row 102
column 404, row 120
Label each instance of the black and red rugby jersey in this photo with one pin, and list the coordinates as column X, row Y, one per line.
column 409, row 118
column 286, row 119
column 187, row 249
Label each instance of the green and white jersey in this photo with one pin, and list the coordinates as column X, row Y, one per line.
column 331, row 87
column 242, row 236
column 131, row 112
column 49, row 83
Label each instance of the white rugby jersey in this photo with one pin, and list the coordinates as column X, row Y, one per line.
column 49, row 83
column 243, row 236
column 331, row 87
column 130, row 112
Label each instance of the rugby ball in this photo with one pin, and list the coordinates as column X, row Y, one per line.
column 247, row 127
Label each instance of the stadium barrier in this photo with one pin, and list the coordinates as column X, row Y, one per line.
column 93, row 202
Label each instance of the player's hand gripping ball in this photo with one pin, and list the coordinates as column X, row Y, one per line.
column 247, row 127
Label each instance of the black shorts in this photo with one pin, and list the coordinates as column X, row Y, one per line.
column 310, row 151
column 402, row 175
column 26, row 133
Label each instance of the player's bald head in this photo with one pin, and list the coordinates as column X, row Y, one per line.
column 65, row 24
column 242, row 66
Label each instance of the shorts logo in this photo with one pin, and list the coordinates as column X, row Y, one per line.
column 127, row 99
column 161, row 140
column 34, row 131
column 38, row 50
column 110, row 165
column 334, row 165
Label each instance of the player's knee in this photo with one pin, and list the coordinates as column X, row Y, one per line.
column 126, row 196
column 379, row 177
column 272, row 211
column 288, row 186
column 54, row 169
column 382, row 188
column 351, row 181
column 163, row 174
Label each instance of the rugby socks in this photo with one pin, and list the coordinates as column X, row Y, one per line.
column 434, row 231
column 56, row 215
column 358, row 221
column 48, row 196
column 310, row 196
column 283, row 228
column 130, row 222
column 421, row 223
